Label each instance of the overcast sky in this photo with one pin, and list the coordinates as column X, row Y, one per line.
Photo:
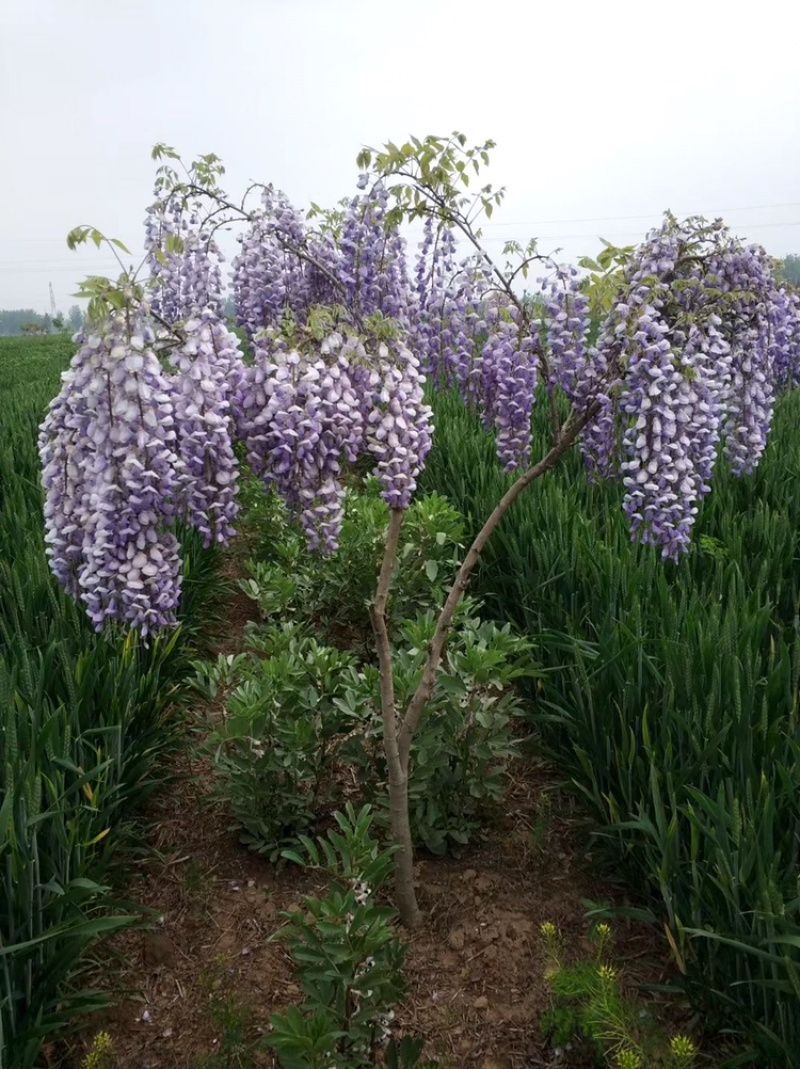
column 605, row 113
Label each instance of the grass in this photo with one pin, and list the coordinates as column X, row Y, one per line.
column 85, row 722
column 670, row 701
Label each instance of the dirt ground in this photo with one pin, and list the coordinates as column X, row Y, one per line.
column 196, row 989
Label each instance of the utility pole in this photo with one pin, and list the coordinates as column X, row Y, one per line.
column 52, row 303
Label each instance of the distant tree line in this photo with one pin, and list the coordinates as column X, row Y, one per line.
column 26, row 321
column 789, row 270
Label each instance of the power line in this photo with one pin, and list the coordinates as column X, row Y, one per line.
column 79, row 266
column 649, row 215
column 558, row 222
column 637, row 233
column 97, row 269
column 48, row 263
column 65, row 265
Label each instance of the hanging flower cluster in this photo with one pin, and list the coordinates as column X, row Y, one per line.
column 672, row 404
column 784, row 318
column 450, row 307
column 690, row 354
column 281, row 270
column 108, row 449
column 372, row 259
column 399, row 423
column 209, row 372
column 573, row 367
column 508, row 375
column 184, row 260
column 303, row 415
column 284, row 269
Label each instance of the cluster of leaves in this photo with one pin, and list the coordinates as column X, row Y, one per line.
column 466, row 739
column 434, row 175
column 232, row 1018
column 101, row 1053
column 334, row 592
column 348, row 959
column 283, row 721
column 299, row 712
column 589, row 1004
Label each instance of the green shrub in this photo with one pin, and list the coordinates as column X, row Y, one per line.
column 334, row 592
column 465, row 738
column 296, row 711
column 273, row 749
column 588, row 1004
column 348, row 959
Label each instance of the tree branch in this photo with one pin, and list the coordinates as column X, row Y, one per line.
column 568, row 436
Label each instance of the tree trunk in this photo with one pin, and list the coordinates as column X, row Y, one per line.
column 405, row 896
column 404, row 890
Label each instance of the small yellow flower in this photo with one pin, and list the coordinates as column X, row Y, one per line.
column 628, row 1059
column 607, row 974
column 549, row 930
column 101, row 1054
column 683, row 1050
column 600, row 935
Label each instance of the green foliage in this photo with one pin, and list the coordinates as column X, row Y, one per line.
column 669, row 697
column 23, row 321
column 589, row 1004
column 347, row 957
column 602, row 284
column 297, row 711
column 83, row 722
column 465, row 738
column 334, row 592
column 426, row 175
column 789, row 269
column 101, row 1054
column 232, row 1019
column 274, row 747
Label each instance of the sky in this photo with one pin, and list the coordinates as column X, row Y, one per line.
column 605, row 114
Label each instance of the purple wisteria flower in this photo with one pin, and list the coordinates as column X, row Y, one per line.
column 784, row 318
column 300, row 417
column 271, row 278
column 448, row 310
column 184, row 260
column 109, row 472
column 305, row 415
column 400, row 424
column 692, row 353
column 208, row 372
column 372, row 260
column 671, row 398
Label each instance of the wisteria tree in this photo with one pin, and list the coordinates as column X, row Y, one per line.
column 665, row 357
